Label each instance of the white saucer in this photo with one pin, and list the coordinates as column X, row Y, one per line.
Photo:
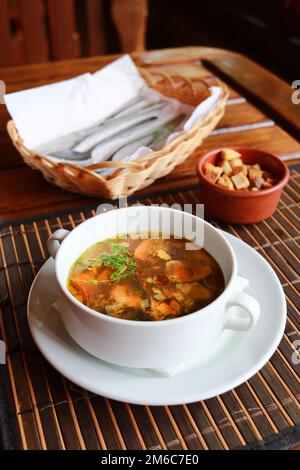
column 236, row 358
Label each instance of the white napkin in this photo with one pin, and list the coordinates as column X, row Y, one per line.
column 204, row 108
column 239, row 285
column 48, row 112
column 199, row 113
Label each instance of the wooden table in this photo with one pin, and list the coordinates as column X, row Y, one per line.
column 260, row 113
column 249, row 119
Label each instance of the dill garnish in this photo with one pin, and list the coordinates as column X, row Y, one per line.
column 119, row 259
column 92, row 281
column 79, row 261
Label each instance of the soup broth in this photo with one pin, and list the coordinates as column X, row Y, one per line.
column 138, row 278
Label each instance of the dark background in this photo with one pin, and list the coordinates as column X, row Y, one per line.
column 266, row 30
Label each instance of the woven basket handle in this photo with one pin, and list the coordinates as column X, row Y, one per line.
column 156, row 76
column 118, row 164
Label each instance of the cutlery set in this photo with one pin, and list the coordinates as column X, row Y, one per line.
column 138, row 129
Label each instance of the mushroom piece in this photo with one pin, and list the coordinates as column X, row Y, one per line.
column 125, row 302
column 182, row 271
column 163, row 310
column 193, row 293
column 148, row 248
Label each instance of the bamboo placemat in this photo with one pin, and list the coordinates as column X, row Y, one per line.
column 40, row 409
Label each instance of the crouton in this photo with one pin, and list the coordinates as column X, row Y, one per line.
column 212, row 172
column 230, row 172
column 226, row 182
column 254, row 173
column 240, row 181
column 240, row 169
column 237, row 162
column 210, row 167
column 229, row 154
column 245, row 170
column 258, row 182
column 268, row 176
column 272, row 181
column 227, row 170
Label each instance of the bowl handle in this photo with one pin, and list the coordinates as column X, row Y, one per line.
column 54, row 241
column 245, row 319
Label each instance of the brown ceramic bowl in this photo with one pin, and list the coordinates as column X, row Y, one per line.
column 242, row 207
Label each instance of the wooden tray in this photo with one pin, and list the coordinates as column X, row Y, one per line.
column 42, row 410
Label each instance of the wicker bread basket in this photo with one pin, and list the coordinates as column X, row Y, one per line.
column 144, row 170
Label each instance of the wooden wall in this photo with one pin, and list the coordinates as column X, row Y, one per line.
column 35, row 31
